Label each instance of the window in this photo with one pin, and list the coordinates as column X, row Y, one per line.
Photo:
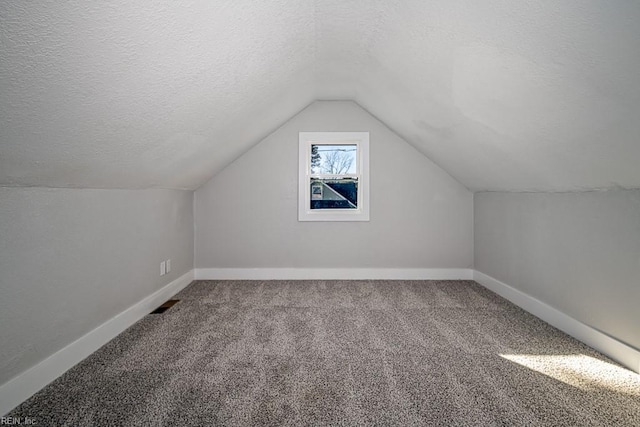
column 333, row 176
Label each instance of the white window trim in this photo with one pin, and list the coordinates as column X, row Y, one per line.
column 306, row 140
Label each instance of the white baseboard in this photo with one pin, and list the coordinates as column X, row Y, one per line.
column 334, row 274
column 616, row 350
column 20, row 388
column 29, row 382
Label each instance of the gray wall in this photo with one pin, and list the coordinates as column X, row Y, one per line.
column 246, row 216
column 71, row 259
column 577, row 252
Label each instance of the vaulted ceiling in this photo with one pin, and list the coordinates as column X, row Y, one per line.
column 504, row 95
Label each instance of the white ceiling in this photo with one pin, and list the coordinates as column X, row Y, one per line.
column 504, row 95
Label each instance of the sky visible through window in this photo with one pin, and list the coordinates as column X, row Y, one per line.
column 333, row 159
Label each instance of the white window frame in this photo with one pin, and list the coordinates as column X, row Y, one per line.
column 306, row 140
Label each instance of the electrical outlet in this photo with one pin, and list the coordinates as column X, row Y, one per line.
column 168, row 266
column 163, row 268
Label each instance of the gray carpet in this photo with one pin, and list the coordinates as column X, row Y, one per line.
column 340, row 353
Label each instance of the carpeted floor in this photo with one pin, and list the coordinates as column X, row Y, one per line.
column 340, row 353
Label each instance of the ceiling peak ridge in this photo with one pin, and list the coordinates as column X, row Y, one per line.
column 564, row 191
column 85, row 187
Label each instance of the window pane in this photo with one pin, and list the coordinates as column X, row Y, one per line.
column 334, row 159
column 334, row 193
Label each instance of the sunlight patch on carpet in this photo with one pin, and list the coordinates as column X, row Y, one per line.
column 581, row 371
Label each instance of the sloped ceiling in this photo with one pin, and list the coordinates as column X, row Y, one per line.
column 504, row 95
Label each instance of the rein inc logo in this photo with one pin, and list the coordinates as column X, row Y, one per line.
column 18, row 421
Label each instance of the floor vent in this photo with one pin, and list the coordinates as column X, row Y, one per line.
column 166, row 306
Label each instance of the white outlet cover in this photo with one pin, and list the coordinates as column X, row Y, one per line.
column 168, row 265
column 163, row 268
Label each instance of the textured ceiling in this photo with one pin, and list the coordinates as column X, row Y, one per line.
column 504, row 95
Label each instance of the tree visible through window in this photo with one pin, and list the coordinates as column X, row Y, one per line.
column 332, row 170
column 333, row 159
column 334, row 179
